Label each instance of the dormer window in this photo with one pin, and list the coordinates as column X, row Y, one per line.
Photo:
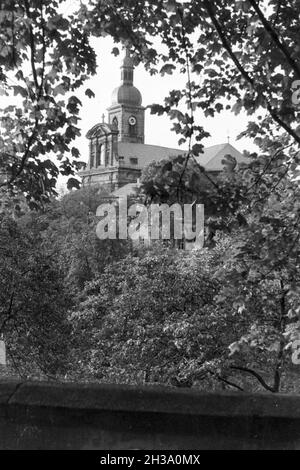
column 133, row 161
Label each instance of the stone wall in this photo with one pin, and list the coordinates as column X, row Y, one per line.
column 70, row 416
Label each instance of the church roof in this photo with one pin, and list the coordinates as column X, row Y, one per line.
column 211, row 158
column 145, row 153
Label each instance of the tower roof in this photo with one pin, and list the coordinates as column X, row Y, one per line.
column 127, row 93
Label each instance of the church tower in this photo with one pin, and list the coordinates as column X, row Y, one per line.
column 117, row 153
column 126, row 113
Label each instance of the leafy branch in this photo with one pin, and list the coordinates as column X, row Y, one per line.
column 274, row 36
column 210, row 10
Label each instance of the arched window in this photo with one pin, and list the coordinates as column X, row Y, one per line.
column 98, row 158
column 92, row 153
column 115, row 123
column 102, row 155
column 107, row 155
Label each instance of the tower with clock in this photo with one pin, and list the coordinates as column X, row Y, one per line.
column 116, row 147
column 126, row 112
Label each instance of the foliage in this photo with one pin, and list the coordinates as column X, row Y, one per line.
column 185, row 181
column 152, row 319
column 68, row 229
column 262, row 269
column 193, row 319
column 34, row 303
column 46, row 257
column 44, row 58
column 237, row 56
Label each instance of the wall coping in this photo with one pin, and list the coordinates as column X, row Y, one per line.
column 149, row 399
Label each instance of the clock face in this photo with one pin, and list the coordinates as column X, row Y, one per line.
column 132, row 121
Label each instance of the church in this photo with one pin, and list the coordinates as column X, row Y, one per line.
column 117, row 149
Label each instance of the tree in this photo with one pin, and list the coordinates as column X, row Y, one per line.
column 178, row 180
column 262, row 269
column 152, row 319
column 34, row 303
column 258, row 209
column 46, row 259
column 68, row 230
column 45, row 122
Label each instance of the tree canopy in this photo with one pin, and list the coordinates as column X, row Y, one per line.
column 241, row 56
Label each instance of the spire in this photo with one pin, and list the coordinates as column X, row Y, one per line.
column 127, row 93
column 127, row 69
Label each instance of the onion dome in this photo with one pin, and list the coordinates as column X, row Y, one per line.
column 126, row 94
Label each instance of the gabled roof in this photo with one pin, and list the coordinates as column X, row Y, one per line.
column 211, row 158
